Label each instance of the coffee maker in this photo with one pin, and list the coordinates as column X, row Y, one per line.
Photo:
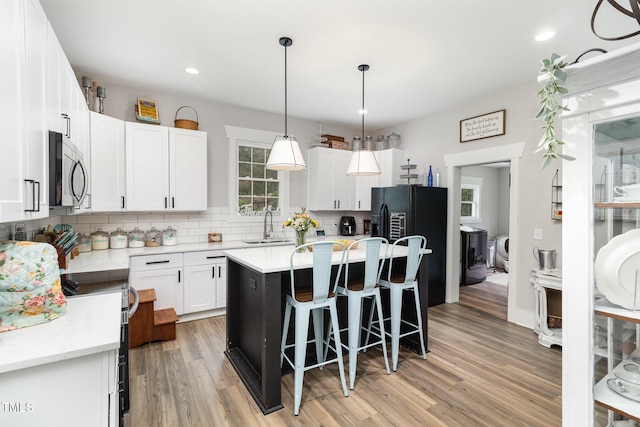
column 347, row 226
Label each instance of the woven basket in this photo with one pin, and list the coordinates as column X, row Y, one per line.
column 186, row 124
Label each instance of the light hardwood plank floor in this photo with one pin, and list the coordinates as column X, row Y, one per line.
column 487, row 297
column 481, row 371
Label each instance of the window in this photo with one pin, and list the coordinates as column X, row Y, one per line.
column 470, row 199
column 258, row 187
column 253, row 188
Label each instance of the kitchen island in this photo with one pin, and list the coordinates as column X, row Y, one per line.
column 257, row 282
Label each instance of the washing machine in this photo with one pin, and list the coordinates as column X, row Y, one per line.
column 502, row 253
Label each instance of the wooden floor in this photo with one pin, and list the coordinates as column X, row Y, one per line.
column 485, row 296
column 481, row 371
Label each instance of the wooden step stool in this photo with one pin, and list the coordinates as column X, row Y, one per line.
column 147, row 324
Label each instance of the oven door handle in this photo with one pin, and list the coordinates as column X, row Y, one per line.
column 136, row 300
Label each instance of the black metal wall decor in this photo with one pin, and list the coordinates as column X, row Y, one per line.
column 632, row 12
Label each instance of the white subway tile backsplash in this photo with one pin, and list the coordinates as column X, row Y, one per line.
column 90, row 219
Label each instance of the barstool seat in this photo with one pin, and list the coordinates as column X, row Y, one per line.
column 398, row 283
column 312, row 300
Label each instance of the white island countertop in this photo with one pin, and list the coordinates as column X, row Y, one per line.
column 277, row 258
column 90, row 325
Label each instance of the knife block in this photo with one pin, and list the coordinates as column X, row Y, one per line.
column 63, row 260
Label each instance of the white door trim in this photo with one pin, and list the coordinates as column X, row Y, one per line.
column 454, row 163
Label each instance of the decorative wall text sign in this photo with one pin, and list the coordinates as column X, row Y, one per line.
column 484, row 126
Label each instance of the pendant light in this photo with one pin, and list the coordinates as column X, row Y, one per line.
column 363, row 162
column 285, row 152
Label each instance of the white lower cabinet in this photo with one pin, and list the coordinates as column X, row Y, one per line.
column 89, row 380
column 162, row 273
column 191, row 282
column 205, row 281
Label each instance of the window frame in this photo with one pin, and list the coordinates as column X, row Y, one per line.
column 260, row 139
column 475, row 184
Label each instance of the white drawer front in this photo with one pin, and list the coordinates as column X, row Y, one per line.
column 201, row 257
column 155, row 262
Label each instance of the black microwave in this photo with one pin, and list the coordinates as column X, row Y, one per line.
column 68, row 175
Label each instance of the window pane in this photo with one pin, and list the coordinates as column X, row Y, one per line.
column 244, row 154
column 272, row 189
column 244, row 170
column 258, row 171
column 244, row 201
column 259, row 203
column 244, row 187
column 272, row 202
column 259, row 155
column 258, row 188
column 466, row 209
column 271, row 174
column 466, row 195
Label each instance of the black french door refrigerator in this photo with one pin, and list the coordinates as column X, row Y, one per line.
column 406, row 210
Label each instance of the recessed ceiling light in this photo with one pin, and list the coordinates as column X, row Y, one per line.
column 192, row 70
column 545, row 35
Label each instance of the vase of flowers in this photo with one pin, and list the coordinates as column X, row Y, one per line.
column 301, row 223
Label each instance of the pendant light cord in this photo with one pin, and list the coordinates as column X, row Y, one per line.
column 363, row 70
column 286, row 133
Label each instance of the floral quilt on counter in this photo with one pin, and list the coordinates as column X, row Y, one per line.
column 30, row 288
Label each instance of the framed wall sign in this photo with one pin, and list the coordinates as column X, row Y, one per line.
column 147, row 110
column 484, row 126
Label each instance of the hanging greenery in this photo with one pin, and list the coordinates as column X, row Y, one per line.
column 551, row 106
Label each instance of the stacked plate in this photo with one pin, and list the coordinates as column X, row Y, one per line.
column 616, row 270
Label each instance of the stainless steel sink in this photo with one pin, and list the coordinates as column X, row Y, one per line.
column 266, row 241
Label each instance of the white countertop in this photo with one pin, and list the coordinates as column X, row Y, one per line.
column 90, row 325
column 118, row 259
column 277, row 258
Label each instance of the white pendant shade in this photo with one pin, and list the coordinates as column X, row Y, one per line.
column 363, row 163
column 286, row 155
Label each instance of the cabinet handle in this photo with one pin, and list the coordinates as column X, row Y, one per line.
column 33, row 195
column 165, row 203
column 213, row 272
column 122, row 198
column 338, row 204
column 334, row 204
column 173, row 203
column 179, row 280
column 358, row 204
column 68, row 122
column 157, row 262
column 219, row 272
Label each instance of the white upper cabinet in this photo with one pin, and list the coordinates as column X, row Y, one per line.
column 329, row 186
column 166, row 168
column 67, row 110
column 23, row 194
column 107, row 164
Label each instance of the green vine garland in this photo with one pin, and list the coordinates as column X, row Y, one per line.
column 551, row 106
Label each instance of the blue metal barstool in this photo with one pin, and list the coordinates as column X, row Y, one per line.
column 358, row 289
column 314, row 300
column 397, row 283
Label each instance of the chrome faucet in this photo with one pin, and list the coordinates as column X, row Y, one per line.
column 266, row 234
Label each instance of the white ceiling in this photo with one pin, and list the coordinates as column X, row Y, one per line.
column 425, row 55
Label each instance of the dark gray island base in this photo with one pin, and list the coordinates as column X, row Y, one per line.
column 257, row 282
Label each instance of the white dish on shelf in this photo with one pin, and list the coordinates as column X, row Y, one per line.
column 628, row 376
column 624, row 389
column 627, row 199
column 632, row 367
column 615, row 268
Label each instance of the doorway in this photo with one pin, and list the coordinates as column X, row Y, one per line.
column 455, row 162
column 484, row 218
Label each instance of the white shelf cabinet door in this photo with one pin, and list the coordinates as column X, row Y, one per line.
column 147, row 167
column 205, row 284
column 390, row 161
column 188, row 171
column 12, row 87
column 167, row 284
column 343, row 185
column 364, row 184
column 107, row 164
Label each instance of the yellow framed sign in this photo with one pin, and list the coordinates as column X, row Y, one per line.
column 147, row 110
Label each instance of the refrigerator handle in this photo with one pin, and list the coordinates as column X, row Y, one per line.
column 384, row 221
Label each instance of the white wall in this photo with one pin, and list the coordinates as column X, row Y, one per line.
column 428, row 139
column 503, row 202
